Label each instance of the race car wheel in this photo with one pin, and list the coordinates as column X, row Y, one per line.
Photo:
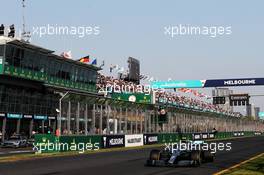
column 208, row 156
column 196, row 158
column 164, row 155
column 154, row 155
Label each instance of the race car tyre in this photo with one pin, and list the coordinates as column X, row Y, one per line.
column 208, row 156
column 196, row 158
column 164, row 155
column 154, row 154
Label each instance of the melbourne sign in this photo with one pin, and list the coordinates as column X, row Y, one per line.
column 208, row 83
column 234, row 82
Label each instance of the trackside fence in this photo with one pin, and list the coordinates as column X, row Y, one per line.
column 48, row 143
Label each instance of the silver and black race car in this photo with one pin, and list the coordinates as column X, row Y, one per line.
column 15, row 141
column 193, row 155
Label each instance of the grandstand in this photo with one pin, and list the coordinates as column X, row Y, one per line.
column 43, row 92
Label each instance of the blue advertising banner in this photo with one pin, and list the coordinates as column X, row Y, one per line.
column 15, row 116
column 40, row 117
column 234, row 82
column 177, row 84
column 261, row 115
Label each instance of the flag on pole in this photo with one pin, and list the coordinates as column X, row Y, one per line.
column 111, row 68
column 151, row 79
column 141, row 77
column 102, row 65
column 121, row 70
column 94, row 62
column 85, row 59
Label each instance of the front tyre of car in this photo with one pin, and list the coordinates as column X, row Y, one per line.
column 153, row 157
column 196, row 158
column 208, row 156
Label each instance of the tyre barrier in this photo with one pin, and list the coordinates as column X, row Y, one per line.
column 46, row 143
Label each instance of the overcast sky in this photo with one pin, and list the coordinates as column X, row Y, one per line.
column 136, row 28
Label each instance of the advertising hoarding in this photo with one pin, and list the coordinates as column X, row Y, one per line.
column 134, row 140
column 112, row 141
column 150, row 139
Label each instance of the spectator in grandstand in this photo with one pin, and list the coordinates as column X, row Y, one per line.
column 162, row 96
column 214, row 131
column 178, row 130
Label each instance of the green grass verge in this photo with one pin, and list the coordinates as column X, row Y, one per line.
column 253, row 167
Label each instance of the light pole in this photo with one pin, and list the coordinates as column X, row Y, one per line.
column 59, row 111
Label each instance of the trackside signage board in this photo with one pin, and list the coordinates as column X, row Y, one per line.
column 112, row 141
column 40, row 117
column 261, row 115
column 211, row 135
column 133, row 140
column 234, row 82
column 196, row 136
column 27, row 116
column 133, row 97
column 208, row 83
column 203, row 136
column 238, row 134
column 1, row 65
column 177, row 84
column 150, row 139
column 15, row 116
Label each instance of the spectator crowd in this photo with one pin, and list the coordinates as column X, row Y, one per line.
column 161, row 96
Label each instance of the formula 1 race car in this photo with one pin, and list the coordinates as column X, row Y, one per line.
column 178, row 157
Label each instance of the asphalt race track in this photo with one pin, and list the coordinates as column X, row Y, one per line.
column 129, row 162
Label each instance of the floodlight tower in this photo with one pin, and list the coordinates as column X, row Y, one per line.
column 25, row 35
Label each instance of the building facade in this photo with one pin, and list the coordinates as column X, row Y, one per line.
column 31, row 82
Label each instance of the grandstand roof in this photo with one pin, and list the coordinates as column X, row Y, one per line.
column 50, row 53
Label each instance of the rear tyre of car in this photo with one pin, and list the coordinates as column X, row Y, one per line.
column 153, row 157
column 196, row 158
